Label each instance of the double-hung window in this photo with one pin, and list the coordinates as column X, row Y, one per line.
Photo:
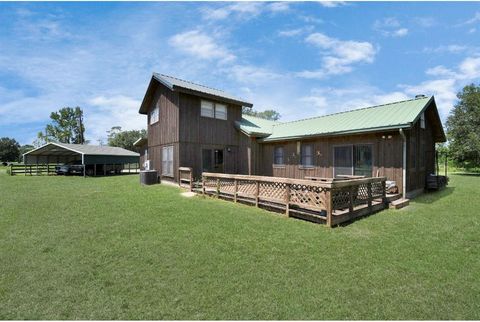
column 307, row 155
column 278, row 157
column 213, row 110
column 154, row 115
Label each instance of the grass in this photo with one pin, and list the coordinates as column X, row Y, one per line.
column 107, row 248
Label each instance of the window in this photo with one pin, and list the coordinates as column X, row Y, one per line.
column 278, row 155
column 422, row 121
column 213, row 110
column 154, row 115
column 207, row 109
column 212, row 160
column 207, row 160
column 167, row 161
column 221, row 111
column 353, row 160
column 307, row 155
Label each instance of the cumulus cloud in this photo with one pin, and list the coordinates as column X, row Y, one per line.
column 451, row 49
column 200, row 45
column 339, row 56
column 243, row 10
column 332, row 4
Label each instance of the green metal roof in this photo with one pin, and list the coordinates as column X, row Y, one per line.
column 255, row 126
column 376, row 118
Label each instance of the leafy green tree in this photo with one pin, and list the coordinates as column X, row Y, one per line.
column 124, row 139
column 266, row 114
column 66, row 127
column 24, row 149
column 9, row 149
column 463, row 128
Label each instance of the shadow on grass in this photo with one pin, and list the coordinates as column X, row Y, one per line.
column 430, row 197
column 469, row 174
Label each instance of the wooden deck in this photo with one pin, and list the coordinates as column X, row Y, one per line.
column 331, row 202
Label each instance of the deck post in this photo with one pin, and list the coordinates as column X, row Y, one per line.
column 329, row 204
column 11, row 169
column 257, row 192
column 384, row 192
column 218, row 188
column 369, row 192
column 191, row 180
column 350, row 194
column 235, row 190
column 203, row 185
column 287, row 200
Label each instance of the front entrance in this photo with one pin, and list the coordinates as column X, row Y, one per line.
column 212, row 160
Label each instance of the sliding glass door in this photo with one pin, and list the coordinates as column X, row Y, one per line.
column 343, row 161
column 353, row 160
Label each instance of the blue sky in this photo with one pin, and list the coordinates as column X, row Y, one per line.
column 302, row 59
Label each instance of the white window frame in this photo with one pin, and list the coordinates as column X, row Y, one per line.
column 154, row 115
column 222, row 115
column 167, row 161
column 204, row 107
column 212, row 112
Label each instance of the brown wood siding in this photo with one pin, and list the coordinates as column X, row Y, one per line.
column 165, row 131
column 387, row 156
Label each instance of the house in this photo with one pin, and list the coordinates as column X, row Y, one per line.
column 195, row 126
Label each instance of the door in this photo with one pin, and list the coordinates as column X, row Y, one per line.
column 342, row 160
column 213, row 160
column 363, row 160
column 167, row 161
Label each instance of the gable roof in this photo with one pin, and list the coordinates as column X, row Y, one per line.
column 255, row 126
column 54, row 147
column 183, row 86
column 370, row 119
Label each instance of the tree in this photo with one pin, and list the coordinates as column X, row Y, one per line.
column 9, row 149
column 124, row 139
column 266, row 114
column 463, row 126
column 66, row 127
column 24, row 149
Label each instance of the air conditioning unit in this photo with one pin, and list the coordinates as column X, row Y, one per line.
column 147, row 164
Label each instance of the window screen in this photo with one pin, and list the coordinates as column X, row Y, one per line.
column 363, row 160
column 154, row 115
column 307, row 155
column 167, row 160
column 278, row 155
column 343, row 162
column 207, row 109
column 221, row 111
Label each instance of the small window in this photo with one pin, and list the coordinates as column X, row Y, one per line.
column 422, row 121
column 221, row 111
column 207, row 109
column 278, row 155
column 307, row 155
column 154, row 115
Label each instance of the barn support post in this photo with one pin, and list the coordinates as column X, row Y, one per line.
column 95, row 170
column 104, row 169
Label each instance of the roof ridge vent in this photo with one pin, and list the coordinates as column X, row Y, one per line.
column 420, row 96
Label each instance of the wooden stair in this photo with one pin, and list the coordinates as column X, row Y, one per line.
column 399, row 203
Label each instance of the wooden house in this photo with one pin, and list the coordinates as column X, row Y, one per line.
column 191, row 125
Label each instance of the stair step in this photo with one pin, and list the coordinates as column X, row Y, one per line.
column 399, row 203
column 392, row 197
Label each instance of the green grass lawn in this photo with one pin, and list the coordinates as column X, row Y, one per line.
column 108, row 248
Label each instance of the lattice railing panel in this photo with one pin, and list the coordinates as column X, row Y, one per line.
column 210, row 183
column 272, row 190
column 311, row 196
column 341, row 198
column 247, row 187
column 227, row 186
column 361, row 195
column 377, row 190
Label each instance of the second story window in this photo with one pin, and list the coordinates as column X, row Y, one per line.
column 154, row 115
column 213, row 110
column 278, row 156
column 207, row 109
column 422, row 121
column 307, row 155
column 221, row 111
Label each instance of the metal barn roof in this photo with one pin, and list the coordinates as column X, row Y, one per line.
column 177, row 83
column 375, row 118
column 255, row 126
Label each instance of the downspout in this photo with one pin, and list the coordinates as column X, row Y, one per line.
column 404, row 152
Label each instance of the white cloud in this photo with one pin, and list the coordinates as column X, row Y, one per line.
column 469, row 68
column 338, row 55
column 452, row 49
column 200, row 45
column 425, row 22
column 279, row 6
column 251, row 74
column 390, row 27
column 474, row 19
column 295, row 32
column 241, row 10
column 440, row 71
column 332, row 4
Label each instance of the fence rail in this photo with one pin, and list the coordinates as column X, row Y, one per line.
column 328, row 201
column 32, row 169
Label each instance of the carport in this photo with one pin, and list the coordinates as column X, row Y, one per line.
column 94, row 158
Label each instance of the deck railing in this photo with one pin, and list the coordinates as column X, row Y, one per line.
column 185, row 177
column 331, row 202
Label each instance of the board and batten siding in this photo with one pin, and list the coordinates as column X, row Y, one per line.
column 165, row 132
